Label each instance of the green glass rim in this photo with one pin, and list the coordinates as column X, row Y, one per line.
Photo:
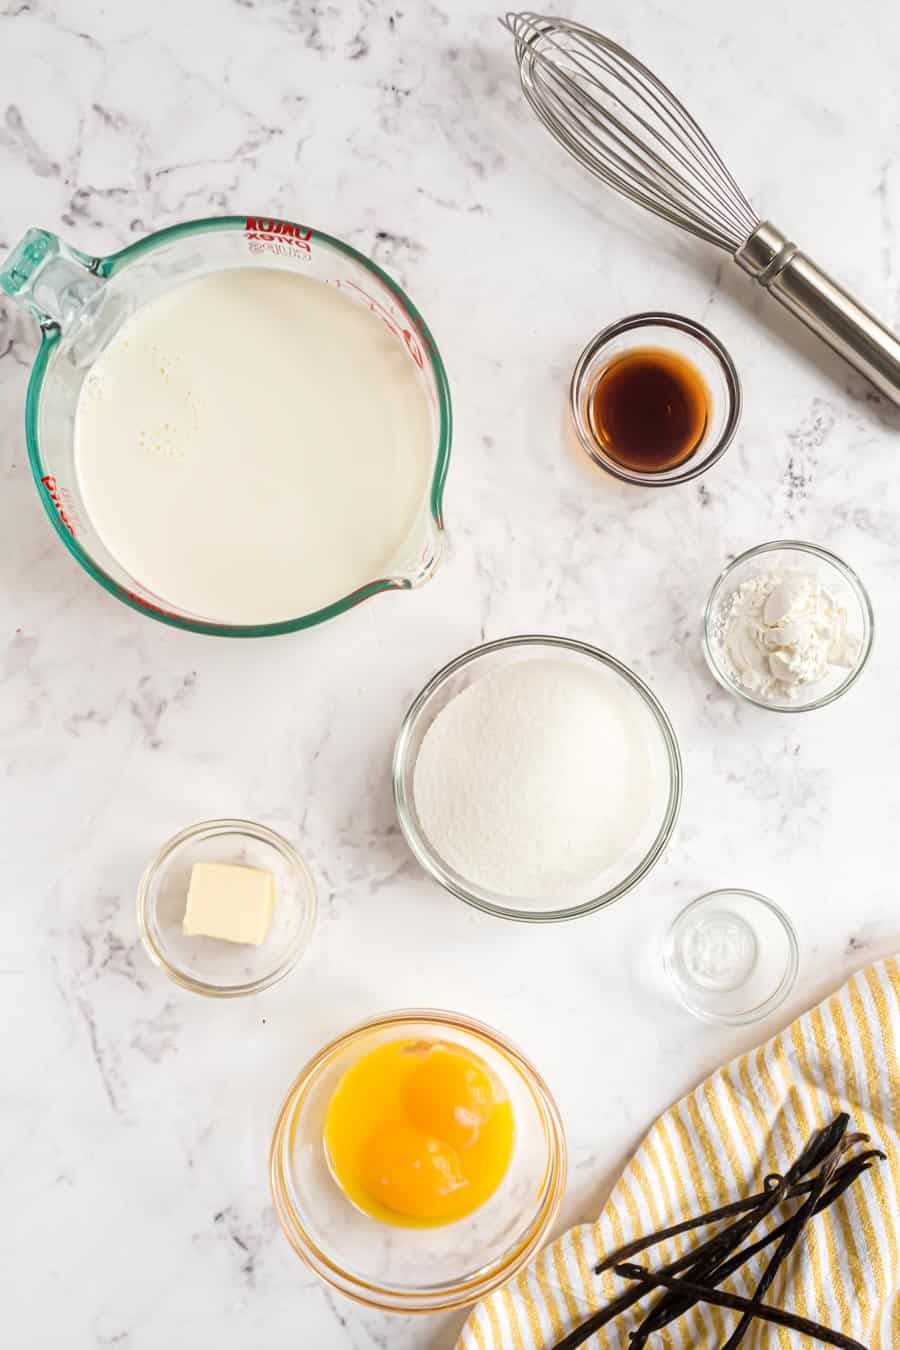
column 107, row 267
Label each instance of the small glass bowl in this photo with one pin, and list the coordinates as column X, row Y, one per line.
column 831, row 573
column 416, row 1269
column 732, row 957
column 602, row 890
column 210, row 965
column 690, row 340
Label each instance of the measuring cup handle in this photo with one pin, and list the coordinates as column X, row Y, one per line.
column 49, row 278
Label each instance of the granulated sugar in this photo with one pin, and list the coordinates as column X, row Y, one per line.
column 535, row 778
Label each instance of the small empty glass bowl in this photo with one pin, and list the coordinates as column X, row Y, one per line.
column 662, row 747
column 416, row 1269
column 686, row 338
column 210, row 965
column 834, row 576
column 732, row 956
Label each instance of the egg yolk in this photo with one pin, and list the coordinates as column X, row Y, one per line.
column 412, row 1173
column 450, row 1096
column 419, row 1133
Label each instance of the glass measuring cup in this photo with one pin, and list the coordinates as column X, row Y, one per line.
column 80, row 303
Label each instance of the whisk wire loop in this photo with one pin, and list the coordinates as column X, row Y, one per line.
column 621, row 122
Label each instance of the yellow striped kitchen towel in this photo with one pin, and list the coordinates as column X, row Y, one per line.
column 750, row 1118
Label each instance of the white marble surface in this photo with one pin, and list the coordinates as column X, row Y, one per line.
column 134, row 1118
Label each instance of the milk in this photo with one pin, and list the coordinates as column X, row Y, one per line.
column 253, row 445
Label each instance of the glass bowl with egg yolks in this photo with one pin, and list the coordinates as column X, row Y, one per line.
column 417, row 1162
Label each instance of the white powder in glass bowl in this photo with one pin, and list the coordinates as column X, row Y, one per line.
column 535, row 778
column 780, row 632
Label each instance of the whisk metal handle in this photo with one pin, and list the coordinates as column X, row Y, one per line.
column 824, row 306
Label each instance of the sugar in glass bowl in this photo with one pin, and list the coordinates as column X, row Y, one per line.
column 613, row 880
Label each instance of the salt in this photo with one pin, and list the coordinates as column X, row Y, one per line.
column 536, row 778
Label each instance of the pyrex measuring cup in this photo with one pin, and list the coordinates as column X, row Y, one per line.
column 80, row 302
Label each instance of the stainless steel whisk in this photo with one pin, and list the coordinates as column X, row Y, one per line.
column 623, row 125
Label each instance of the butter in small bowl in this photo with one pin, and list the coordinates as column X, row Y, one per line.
column 229, row 901
column 226, row 907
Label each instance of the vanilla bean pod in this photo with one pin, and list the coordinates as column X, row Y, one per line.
column 824, row 1149
column 736, row 1207
column 820, row 1146
column 704, row 1259
column 844, row 1177
column 789, row 1239
column 578, row 1335
column 703, row 1294
column 803, row 1164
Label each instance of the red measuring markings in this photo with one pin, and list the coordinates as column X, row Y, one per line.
column 148, row 604
column 55, row 494
column 420, row 329
column 384, row 314
column 284, row 231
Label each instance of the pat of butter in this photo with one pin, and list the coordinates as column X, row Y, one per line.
column 230, row 902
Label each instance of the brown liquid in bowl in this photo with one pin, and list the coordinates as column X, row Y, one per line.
column 648, row 409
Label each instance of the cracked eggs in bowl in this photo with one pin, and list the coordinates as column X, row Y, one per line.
column 430, row 1185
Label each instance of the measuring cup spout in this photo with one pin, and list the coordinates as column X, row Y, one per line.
column 49, row 278
column 430, row 548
